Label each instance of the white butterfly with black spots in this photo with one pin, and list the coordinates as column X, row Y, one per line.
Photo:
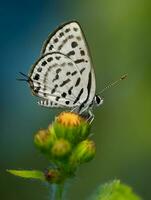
column 63, row 76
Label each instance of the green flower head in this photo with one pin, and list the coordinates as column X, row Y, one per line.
column 71, row 126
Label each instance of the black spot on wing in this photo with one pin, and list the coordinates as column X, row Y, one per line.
column 65, row 40
column 81, row 71
column 45, row 94
column 67, row 102
column 78, row 97
column 61, row 34
column 51, row 47
column 60, row 47
column 45, row 76
column 56, row 78
column 79, row 61
column 36, row 77
column 78, row 82
column 65, row 82
column 55, row 40
column 58, row 70
column 75, row 29
column 57, row 98
column 44, row 63
column 71, row 53
column 53, row 90
column 63, row 64
column 64, row 94
column 36, row 90
column 82, row 52
column 89, row 85
column 70, row 64
column 50, row 59
column 73, row 73
column 78, row 38
column 58, row 57
column 88, row 89
column 68, row 73
column 67, row 30
column 74, row 44
column 70, row 36
column 39, row 69
column 70, row 90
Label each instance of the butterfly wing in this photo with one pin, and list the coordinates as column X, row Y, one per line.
column 55, row 77
column 69, row 40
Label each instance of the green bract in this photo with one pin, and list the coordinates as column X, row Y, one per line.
column 61, row 148
column 44, row 139
column 83, row 152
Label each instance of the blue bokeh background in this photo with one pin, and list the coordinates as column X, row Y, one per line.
column 118, row 33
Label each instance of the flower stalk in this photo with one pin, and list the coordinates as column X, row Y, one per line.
column 58, row 191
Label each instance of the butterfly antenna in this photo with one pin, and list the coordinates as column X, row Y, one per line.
column 27, row 78
column 115, row 83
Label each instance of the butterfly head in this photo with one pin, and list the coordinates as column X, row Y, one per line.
column 97, row 100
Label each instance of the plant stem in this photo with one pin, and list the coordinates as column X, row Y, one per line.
column 58, row 191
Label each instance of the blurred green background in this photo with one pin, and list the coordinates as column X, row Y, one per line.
column 118, row 33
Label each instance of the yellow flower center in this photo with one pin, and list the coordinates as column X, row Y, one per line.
column 69, row 119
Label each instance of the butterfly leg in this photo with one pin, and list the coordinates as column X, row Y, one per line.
column 87, row 114
column 75, row 109
column 90, row 117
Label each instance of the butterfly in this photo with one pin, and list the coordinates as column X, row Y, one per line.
column 63, row 76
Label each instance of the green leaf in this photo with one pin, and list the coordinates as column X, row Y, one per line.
column 31, row 174
column 115, row 191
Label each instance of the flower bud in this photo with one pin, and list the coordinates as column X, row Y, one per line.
column 44, row 139
column 71, row 126
column 84, row 152
column 53, row 176
column 61, row 148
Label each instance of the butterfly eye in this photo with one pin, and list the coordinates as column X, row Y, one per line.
column 98, row 100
